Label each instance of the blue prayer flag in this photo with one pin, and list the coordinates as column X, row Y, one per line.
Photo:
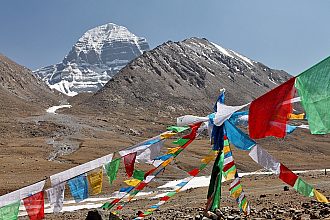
column 79, row 188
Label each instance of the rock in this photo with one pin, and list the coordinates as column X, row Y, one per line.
column 94, row 215
column 262, row 196
column 198, row 217
column 286, row 188
column 219, row 213
column 206, row 218
column 314, row 215
column 306, row 205
column 230, row 217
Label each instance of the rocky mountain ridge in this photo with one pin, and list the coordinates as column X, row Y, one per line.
column 185, row 77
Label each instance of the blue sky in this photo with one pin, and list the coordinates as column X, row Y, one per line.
column 290, row 35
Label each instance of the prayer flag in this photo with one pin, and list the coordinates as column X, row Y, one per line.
column 79, row 188
column 95, row 180
column 214, row 190
column 190, row 120
column 238, row 138
column 269, row 108
column 55, row 197
column 129, row 160
column 150, row 153
column 10, row 211
column 319, row 197
column 34, row 206
column 177, row 128
column 263, row 158
column 167, row 135
column 314, row 90
column 287, row 175
column 303, row 188
column 138, row 174
column 112, row 169
column 181, row 141
column 296, row 116
column 194, row 172
column 167, row 162
column 172, row 150
column 132, row 182
column 224, row 112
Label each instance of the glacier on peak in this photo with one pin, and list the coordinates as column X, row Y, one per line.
column 97, row 56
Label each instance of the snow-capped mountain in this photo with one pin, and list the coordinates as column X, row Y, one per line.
column 97, row 56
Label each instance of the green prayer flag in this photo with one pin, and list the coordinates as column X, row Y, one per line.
column 214, row 191
column 226, row 142
column 313, row 86
column 10, row 212
column 177, row 152
column 138, row 174
column 112, row 169
column 202, row 166
column 177, row 128
column 147, row 213
column 181, row 141
column 170, row 194
column 303, row 188
column 231, row 169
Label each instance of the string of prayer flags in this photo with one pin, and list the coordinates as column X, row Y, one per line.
column 314, row 91
column 95, row 180
column 34, row 206
column 10, row 211
column 129, row 160
column 270, row 108
column 112, row 169
column 79, row 188
column 78, row 170
column 162, row 161
column 21, row 193
column 263, row 158
column 238, row 138
column 236, row 191
column 55, row 196
column 179, row 187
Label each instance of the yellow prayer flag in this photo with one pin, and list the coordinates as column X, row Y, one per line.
column 226, row 149
column 172, row 150
column 230, row 175
column 151, row 210
column 167, row 162
column 95, row 181
column 237, row 192
column 167, row 135
column 207, row 159
column 296, row 116
column 244, row 206
column 320, row 197
column 132, row 182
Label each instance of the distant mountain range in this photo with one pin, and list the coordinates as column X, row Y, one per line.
column 98, row 55
column 183, row 77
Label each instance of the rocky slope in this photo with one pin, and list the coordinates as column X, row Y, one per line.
column 99, row 54
column 20, row 91
column 185, row 77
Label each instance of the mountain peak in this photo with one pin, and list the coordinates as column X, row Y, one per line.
column 98, row 55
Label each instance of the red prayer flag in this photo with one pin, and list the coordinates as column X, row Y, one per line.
column 165, row 198
column 34, row 206
column 194, row 172
column 141, row 186
column 129, row 161
column 268, row 114
column 119, row 207
column 149, row 172
column 228, row 166
column 287, row 175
